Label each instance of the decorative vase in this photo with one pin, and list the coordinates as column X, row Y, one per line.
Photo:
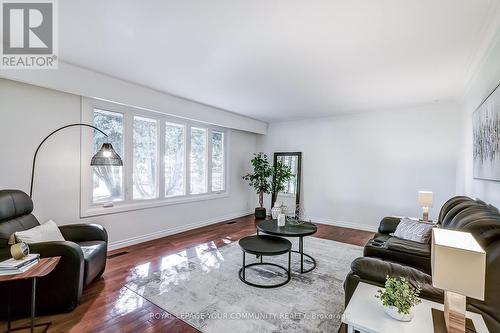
column 283, row 208
column 275, row 211
column 393, row 312
column 260, row 213
column 281, row 220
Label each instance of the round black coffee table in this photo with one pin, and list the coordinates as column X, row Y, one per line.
column 261, row 246
column 270, row 227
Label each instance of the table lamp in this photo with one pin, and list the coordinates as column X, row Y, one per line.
column 425, row 201
column 459, row 268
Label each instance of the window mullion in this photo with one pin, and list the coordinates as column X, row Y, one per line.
column 227, row 147
column 128, row 166
column 161, row 158
column 188, row 160
column 209, row 160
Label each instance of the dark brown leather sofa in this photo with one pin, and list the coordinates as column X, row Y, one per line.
column 387, row 255
column 83, row 259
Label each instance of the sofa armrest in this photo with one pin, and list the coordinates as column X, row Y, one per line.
column 84, row 232
column 69, row 251
column 375, row 271
column 388, row 225
column 67, row 276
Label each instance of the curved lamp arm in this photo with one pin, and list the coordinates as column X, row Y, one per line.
column 48, row 136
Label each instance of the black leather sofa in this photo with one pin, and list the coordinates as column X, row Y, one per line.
column 387, row 255
column 83, row 259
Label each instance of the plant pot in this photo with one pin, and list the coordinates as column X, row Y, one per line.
column 393, row 312
column 260, row 213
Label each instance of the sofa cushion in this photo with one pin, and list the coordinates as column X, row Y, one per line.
column 94, row 255
column 388, row 224
column 15, row 214
column 398, row 250
column 9, row 227
column 450, row 204
column 381, row 237
column 409, row 247
column 14, row 203
column 450, row 216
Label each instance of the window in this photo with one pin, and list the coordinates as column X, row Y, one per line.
column 107, row 181
column 198, row 160
column 174, row 159
column 217, row 161
column 145, row 158
column 165, row 159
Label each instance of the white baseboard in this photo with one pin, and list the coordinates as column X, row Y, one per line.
column 175, row 230
column 352, row 225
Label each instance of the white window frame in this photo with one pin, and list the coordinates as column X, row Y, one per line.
column 88, row 208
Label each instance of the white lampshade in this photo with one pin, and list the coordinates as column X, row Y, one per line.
column 458, row 263
column 425, row 198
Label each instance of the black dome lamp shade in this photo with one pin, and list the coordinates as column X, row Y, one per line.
column 106, row 156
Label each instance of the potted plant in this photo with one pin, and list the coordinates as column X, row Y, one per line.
column 398, row 298
column 282, row 173
column 259, row 180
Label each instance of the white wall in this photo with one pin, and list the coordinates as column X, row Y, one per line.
column 484, row 81
column 359, row 168
column 28, row 113
column 84, row 82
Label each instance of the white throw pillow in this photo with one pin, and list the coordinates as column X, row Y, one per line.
column 414, row 230
column 46, row 232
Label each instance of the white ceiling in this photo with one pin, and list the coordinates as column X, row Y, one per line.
column 278, row 60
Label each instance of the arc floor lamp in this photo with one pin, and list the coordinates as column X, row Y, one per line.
column 106, row 156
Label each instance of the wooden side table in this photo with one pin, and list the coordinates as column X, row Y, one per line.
column 44, row 267
column 366, row 314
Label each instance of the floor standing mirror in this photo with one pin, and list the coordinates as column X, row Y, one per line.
column 290, row 196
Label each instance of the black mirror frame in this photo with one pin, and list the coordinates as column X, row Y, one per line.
column 298, row 176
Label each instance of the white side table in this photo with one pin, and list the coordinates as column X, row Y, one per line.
column 366, row 314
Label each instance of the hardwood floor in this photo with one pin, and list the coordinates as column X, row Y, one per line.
column 107, row 306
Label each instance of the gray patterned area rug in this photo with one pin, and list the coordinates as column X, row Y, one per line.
column 201, row 286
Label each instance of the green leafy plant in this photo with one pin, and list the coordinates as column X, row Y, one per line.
column 259, row 179
column 399, row 293
column 282, row 173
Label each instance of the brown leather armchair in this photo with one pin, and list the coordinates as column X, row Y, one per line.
column 83, row 259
